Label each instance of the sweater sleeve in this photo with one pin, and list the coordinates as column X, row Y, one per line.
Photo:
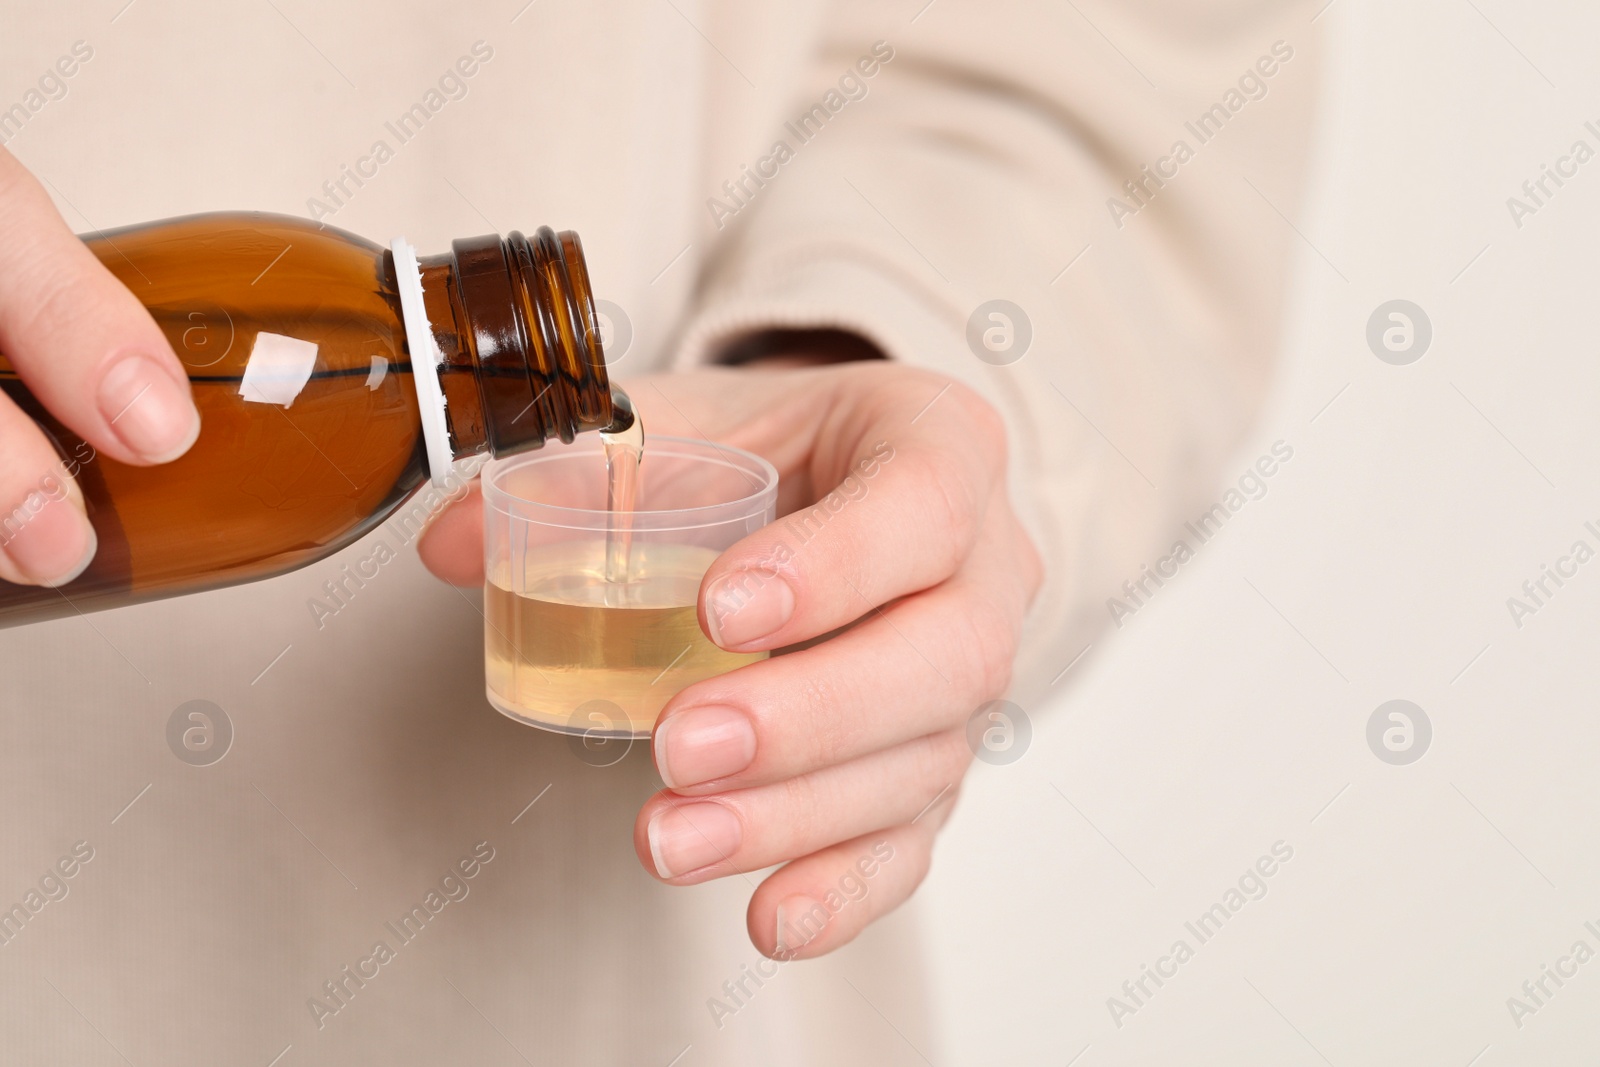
column 1119, row 174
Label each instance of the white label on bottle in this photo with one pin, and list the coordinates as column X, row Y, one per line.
column 278, row 369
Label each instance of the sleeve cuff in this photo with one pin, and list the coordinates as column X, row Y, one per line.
column 835, row 294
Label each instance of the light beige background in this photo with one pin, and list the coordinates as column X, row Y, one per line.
column 1228, row 715
column 1422, row 897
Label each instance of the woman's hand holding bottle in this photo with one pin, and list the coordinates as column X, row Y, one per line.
column 95, row 358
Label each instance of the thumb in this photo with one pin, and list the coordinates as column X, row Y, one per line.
column 452, row 545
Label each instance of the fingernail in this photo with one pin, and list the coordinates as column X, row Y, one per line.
column 691, row 836
column 48, row 538
column 148, row 410
column 706, row 743
column 800, row 920
column 746, row 606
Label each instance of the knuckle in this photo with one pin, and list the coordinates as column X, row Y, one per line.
column 800, row 814
column 987, row 640
column 56, row 301
column 818, row 703
column 987, row 428
column 928, row 826
column 944, row 757
column 953, row 509
column 1000, row 680
column 32, row 464
column 891, row 386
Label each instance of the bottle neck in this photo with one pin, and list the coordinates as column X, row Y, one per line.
column 515, row 322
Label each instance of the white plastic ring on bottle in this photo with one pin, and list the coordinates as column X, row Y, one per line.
column 425, row 360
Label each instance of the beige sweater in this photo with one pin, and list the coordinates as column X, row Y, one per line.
column 934, row 156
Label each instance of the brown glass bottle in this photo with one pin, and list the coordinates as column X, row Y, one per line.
column 324, row 438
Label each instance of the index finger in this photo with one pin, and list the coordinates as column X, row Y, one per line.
column 87, row 349
column 908, row 501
